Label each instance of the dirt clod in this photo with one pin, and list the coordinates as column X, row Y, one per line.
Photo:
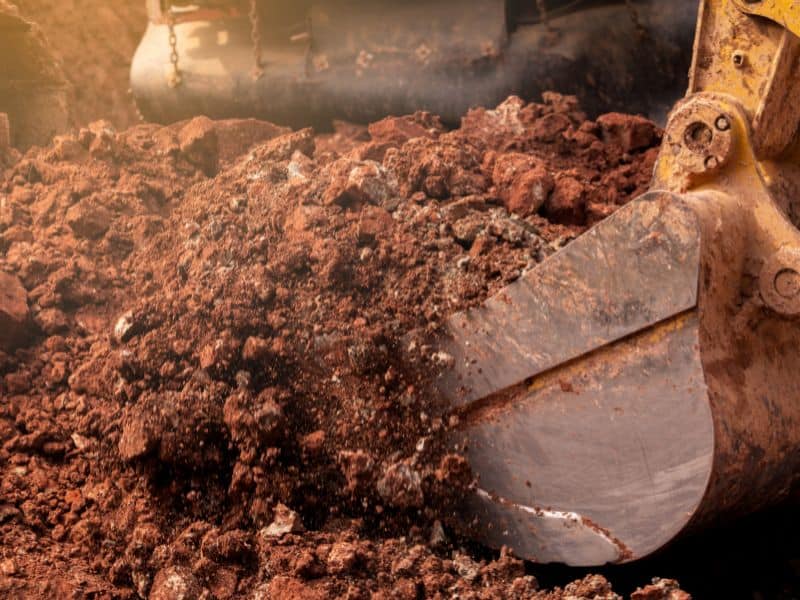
column 14, row 313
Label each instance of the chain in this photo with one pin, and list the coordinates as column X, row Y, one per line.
column 174, row 78
column 255, row 35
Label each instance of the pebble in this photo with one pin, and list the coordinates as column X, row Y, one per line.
column 284, row 521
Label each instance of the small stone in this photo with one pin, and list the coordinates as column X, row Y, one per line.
column 358, row 182
column 254, row 420
column 88, row 219
column 243, row 378
column 466, row 567
column 81, row 442
column 374, row 223
column 137, row 439
column 442, row 359
column 567, row 203
column 66, row 147
column 661, row 589
column 313, row 442
column 256, row 349
column 52, row 321
column 235, row 137
column 549, row 128
column 124, row 327
column 529, row 192
column 357, row 466
column 467, row 229
column 8, row 567
column 284, row 146
column 342, row 558
column 396, row 130
column 524, row 587
column 482, row 244
column 628, row 132
column 175, row 583
column 305, row 218
column 238, row 203
column 493, row 127
column 101, row 138
column 438, row 537
column 300, row 168
column 401, row 486
column 220, row 353
column 268, row 416
column 285, row 521
column 522, row 182
column 199, row 144
column 594, row 587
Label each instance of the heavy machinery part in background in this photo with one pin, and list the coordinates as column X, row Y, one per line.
column 309, row 62
column 643, row 382
column 33, row 90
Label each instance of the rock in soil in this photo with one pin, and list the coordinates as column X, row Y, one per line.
column 14, row 313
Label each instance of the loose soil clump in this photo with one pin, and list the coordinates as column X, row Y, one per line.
column 212, row 403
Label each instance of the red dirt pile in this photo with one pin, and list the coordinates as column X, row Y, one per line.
column 213, row 405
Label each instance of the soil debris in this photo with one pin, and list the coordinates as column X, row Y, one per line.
column 213, row 404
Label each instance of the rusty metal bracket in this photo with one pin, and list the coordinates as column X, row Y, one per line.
column 708, row 148
column 755, row 61
column 783, row 12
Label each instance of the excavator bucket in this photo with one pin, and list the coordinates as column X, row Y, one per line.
column 309, row 62
column 33, row 90
column 642, row 382
column 631, row 387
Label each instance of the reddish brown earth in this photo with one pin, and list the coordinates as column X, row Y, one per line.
column 201, row 396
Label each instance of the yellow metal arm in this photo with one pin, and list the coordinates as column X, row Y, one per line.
column 755, row 59
column 783, row 12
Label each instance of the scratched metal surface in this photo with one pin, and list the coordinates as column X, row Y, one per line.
column 636, row 268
